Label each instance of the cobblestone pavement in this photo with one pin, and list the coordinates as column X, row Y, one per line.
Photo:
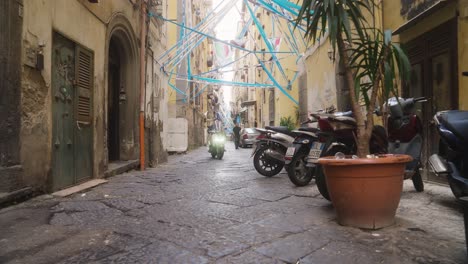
column 195, row 209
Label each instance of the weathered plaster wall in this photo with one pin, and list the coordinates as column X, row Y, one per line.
column 284, row 106
column 10, row 94
column 85, row 24
column 158, row 115
column 321, row 82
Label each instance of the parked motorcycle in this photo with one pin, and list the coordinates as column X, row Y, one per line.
column 270, row 148
column 452, row 159
column 337, row 134
column 216, row 145
column 405, row 135
column 304, row 147
column 297, row 154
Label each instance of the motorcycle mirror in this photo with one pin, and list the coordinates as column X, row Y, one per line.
column 420, row 99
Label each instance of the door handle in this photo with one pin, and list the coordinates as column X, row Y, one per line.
column 69, row 143
column 57, row 143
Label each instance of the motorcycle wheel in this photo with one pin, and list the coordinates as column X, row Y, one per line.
column 321, row 183
column 298, row 173
column 220, row 153
column 320, row 179
column 457, row 190
column 417, row 181
column 265, row 166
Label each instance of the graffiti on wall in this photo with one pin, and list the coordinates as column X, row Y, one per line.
column 412, row 8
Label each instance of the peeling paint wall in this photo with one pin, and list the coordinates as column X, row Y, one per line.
column 157, row 94
column 321, row 80
column 86, row 24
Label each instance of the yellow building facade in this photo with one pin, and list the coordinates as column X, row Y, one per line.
column 193, row 104
column 267, row 105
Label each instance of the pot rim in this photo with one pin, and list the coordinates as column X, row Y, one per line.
column 382, row 159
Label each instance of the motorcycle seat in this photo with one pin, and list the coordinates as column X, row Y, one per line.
column 309, row 129
column 344, row 114
column 347, row 120
column 280, row 129
column 457, row 122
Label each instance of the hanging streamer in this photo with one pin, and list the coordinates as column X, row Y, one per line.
column 265, row 39
column 192, row 37
column 272, row 78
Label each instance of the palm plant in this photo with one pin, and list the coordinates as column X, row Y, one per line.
column 371, row 59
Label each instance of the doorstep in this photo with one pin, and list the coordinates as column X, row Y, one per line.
column 15, row 196
column 79, row 188
column 120, row 166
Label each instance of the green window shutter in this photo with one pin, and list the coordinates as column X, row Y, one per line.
column 84, row 76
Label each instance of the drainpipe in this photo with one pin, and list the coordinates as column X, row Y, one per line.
column 142, row 83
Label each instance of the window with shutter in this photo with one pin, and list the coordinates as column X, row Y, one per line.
column 84, row 76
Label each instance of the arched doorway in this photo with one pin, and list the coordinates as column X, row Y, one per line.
column 114, row 100
column 122, row 92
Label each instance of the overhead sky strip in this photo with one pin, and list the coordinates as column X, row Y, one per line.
column 247, row 25
column 216, row 39
column 192, row 37
column 224, row 66
column 195, row 38
column 245, row 29
column 237, row 69
column 208, row 16
column 265, row 38
column 224, row 82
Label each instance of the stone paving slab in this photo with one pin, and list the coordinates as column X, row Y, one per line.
column 195, row 209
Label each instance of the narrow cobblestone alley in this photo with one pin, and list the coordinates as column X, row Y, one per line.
column 195, row 209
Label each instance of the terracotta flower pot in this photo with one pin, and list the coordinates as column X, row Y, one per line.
column 365, row 192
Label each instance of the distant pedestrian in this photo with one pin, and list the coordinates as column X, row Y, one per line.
column 236, row 131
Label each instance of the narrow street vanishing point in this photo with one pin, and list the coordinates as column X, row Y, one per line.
column 195, row 209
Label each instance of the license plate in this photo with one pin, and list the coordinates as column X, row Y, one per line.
column 315, row 151
column 290, row 151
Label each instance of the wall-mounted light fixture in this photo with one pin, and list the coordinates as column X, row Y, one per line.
column 331, row 55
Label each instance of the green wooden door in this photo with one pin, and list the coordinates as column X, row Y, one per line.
column 63, row 71
column 72, row 87
column 84, row 76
